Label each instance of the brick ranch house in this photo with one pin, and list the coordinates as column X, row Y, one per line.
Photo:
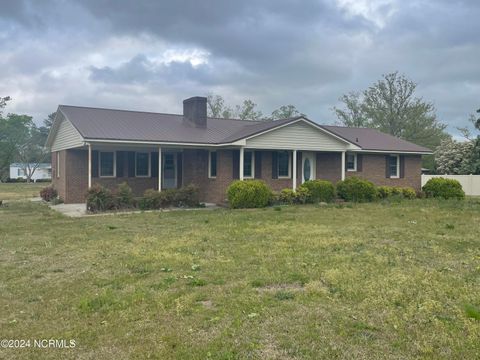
column 162, row 151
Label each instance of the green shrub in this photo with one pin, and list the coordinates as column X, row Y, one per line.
column 319, row 190
column 409, row 193
column 249, row 194
column 186, row 196
column 287, row 196
column 389, row 191
column 444, row 188
column 124, row 196
column 357, row 190
column 302, row 195
column 384, row 191
column 48, row 193
column 99, row 198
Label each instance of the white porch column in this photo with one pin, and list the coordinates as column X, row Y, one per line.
column 89, row 166
column 240, row 176
column 343, row 165
column 294, row 170
column 159, row 168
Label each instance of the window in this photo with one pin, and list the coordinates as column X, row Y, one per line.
column 393, row 166
column 351, row 162
column 248, row 164
column 212, row 164
column 20, row 172
column 142, row 164
column 107, row 164
column 283, row 159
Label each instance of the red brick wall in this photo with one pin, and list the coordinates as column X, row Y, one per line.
column 195, row 171
column 373, row 169
column 73, row 181
column 329, row 166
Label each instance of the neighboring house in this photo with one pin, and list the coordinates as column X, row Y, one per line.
column 107, row 147
column 42, row 172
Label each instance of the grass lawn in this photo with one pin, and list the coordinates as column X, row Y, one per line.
column 371, row 281
column 18, row 191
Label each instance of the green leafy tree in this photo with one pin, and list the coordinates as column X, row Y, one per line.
column 352, row 114
column 285, row 112
column 3, row 103
column 22, row 141
column 248, row 111
column 391, row 106
column 14, row 132
column 216, row 107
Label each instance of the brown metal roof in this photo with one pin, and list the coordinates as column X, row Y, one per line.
column 371, row 139
column 111, row 124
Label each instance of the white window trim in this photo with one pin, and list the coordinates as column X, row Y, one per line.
column 100, row 164
column 252, row 176
column 354, row 162
column 210, row 164
column 149, row 164
column 57, row 158
column 289, row 166
column 398, row 167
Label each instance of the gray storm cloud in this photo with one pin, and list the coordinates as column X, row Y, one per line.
column 153, row 54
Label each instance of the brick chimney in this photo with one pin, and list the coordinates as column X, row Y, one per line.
column 195, row 111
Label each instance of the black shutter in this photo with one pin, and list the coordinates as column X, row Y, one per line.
column 120, row 162
column 235, row 164
column 258, row 164
column 387, row 166
column 180, row 169
column 94, row 163
column 402, row 166
column 299, row 166
column 154, row 164
column 359, row 162
column 131, row 163
column 274, row 165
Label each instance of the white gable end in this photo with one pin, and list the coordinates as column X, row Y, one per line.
column 298, row 136
column 66, row 136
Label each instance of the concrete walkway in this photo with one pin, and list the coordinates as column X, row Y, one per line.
column 80, row 210
column 71, row 210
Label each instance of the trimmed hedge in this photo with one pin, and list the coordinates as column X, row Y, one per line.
column 249, row 194
column 186, row 196
column 443, row 188
column 319, row 191
column 289, row 197
column 357, row 190
column 385, row 192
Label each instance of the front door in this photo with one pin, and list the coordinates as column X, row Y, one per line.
column 308, row 166
column 169, row 172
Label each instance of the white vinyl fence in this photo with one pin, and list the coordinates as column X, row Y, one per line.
column 470, row 183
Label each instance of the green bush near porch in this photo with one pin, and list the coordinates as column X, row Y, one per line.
column 249, row 194
column 319, row 191
column 357, row 190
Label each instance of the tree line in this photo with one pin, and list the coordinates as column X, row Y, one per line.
column 390, row 105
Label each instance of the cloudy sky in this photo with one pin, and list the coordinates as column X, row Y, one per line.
column 150, row 55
